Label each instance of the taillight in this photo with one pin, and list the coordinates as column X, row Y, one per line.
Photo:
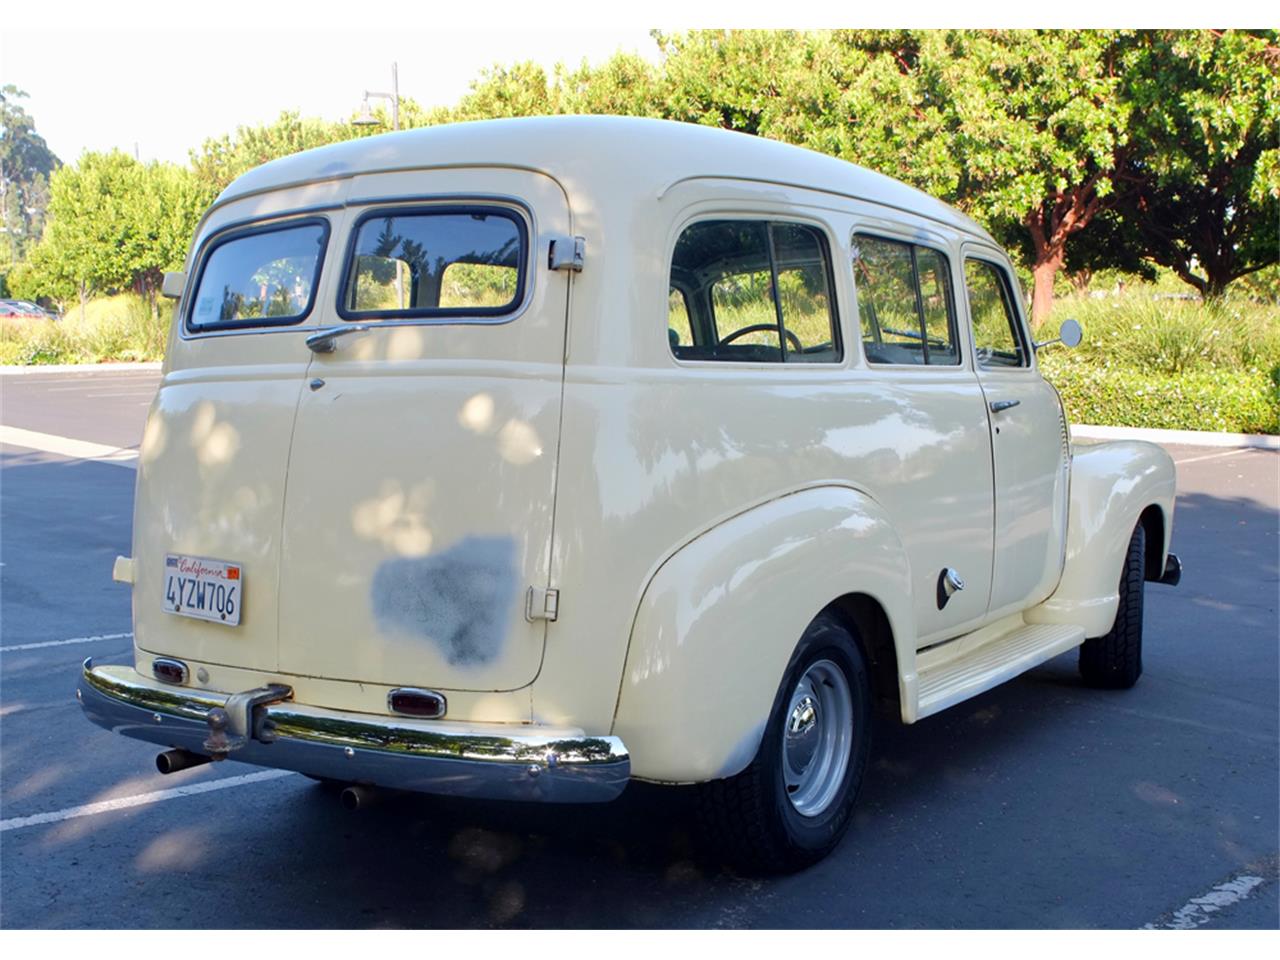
column 170, row 671
column 411, row 702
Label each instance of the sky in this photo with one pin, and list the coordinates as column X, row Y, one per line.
column 167, row 90
column 160, row 76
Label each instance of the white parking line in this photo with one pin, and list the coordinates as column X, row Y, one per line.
column 1199, row 910
column 62, row 643
column 141, row 799
column 68, row 447
column 1214, row 456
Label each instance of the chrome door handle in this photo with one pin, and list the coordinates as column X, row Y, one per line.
column 326, row 341
column 998, row 405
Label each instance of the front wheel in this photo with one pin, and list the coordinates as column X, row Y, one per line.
column 791, row 806
column 1115, row 660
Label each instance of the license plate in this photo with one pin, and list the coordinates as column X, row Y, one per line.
column 204, row 589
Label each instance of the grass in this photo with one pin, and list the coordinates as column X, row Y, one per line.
column 118, row 328
column 1170, row 363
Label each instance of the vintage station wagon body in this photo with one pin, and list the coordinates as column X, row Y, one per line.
column 568, row 429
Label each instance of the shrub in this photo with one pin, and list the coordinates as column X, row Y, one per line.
column 118, row 328
column 1243, row 400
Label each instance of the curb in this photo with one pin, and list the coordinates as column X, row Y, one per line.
column 30, row 368
column 1190, row 438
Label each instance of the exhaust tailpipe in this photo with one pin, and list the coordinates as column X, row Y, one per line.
column 359, row 797
column 171, row 761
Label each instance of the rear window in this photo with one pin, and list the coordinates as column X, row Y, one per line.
column 260, row 277
column 435, row 262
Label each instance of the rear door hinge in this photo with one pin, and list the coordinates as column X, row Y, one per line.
column 567, row 253
column 541, row 604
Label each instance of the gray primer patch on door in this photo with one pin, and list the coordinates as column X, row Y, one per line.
column 460, row 599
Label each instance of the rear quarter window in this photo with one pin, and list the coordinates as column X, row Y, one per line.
column 259, row 276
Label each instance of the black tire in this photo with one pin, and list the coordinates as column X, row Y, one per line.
column 1114, row 661
column 750, row 818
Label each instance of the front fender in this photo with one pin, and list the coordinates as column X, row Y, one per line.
column 1111, row 485
column 720, row 619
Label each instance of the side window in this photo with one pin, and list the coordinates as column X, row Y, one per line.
column 435, row 262
column 905, row 303
column 996, row 340
column 260, row 277
column 752, row 291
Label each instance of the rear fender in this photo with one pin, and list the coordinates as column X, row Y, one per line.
column 720, row 619
column 1112, row 484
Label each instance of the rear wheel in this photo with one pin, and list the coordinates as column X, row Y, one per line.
column 792, row 805
column 1115, row 660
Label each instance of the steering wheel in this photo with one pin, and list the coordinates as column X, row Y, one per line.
column 757, row 327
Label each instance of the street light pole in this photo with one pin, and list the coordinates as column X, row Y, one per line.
column 366, row 118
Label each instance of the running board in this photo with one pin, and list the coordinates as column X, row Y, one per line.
column 952, row 674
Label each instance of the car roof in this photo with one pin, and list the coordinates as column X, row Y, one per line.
column 598, row 153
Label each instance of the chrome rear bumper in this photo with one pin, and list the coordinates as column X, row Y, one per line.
column 490, row 761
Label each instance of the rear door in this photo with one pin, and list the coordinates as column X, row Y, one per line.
column 211, row 470
column 422, row 473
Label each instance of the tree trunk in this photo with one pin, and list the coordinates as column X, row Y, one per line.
column 1043, row 273
column 84, row 298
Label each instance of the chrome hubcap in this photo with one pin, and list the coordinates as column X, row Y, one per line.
column 817, row 738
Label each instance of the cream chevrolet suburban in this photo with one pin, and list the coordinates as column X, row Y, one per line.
column 522, row 458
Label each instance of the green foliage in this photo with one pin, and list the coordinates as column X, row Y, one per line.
column 1235, row 401
column 1175, row 336
column 1171, row 363
column 219, row 160
column 1202, row 173
column 26, row 163
column 114, row 223
column 118, row 328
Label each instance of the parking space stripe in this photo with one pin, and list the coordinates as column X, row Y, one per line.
column 1214, row 456
column 1199, row 910
column 141, row 799
column 69, row 447
column 62, row 643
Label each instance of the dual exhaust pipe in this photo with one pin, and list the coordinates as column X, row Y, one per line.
column 356, row 796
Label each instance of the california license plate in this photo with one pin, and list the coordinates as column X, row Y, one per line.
column 204, row 589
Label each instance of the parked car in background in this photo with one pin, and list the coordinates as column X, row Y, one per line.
column 520, row 459
column 25, row 309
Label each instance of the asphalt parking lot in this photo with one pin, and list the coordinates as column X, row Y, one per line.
column 1039, row 804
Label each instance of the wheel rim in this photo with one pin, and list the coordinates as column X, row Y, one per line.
column 816, row 737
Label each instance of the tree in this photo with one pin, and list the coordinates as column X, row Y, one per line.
column 165, row 211
column 219, row 160
column 91, row 237
column 1036, row 126
column 1201, row 184
column 26, row 163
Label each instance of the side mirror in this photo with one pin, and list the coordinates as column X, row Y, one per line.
column 174, row 282
column 1069, row 335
